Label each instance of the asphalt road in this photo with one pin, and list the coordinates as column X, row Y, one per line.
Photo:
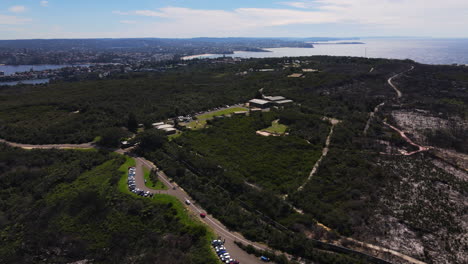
column 50, row 146
column 194, row 209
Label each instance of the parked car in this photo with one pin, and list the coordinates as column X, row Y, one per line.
column 187, row 202
column 202, row 215
column 264, row 259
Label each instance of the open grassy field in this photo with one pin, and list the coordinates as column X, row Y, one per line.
column 122, row 185
column 276, row 128
column 201, row 119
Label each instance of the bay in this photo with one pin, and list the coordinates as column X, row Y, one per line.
column 428, row 51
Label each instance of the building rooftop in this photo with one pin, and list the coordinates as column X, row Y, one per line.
column 158, row 124
column 162, row 127
column 284, row 102
column 259, row 101
column 274, row 98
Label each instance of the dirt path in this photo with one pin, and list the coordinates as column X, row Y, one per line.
column 371, row 116
column 409, row 141
column 386, row 250
column 390, row 82
column 333, row 122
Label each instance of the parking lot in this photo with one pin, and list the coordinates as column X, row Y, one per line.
column 132, row 184
column 222, row 252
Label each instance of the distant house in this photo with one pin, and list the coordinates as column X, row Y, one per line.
column 259, row 103
column 266, row 70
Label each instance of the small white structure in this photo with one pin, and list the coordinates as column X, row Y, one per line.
column 165, row 126
column 158, row 124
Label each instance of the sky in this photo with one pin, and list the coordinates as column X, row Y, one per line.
column 27, row 19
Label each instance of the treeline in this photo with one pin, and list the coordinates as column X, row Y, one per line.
column 63, row 206
column 77, row 112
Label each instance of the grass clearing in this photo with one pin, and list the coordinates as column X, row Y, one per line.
column 173, row 136
column 276, row 128
column 201, row 119
column 123, row 187
column 149, row 183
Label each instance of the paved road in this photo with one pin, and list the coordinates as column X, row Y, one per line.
column 220, row 230
column 89, row 145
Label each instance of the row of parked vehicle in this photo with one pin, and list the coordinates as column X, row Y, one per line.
column 222, row 253
column 132, row 185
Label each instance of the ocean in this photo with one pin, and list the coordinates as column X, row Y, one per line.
column 428, row 51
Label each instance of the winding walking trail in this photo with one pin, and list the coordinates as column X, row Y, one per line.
column 390, row 82
column 333, row 122
column 371, row 116
column 409, row 141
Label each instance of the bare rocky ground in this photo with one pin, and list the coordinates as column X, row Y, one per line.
column 422, row 212
column 418, row 123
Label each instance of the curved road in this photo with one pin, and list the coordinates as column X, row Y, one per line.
column 221, row 230
column 390, row 82
column 89, row 145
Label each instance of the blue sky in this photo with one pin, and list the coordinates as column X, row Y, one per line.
column 23, row 19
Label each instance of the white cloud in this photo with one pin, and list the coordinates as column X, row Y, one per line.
column 13, row 20
column 44, row 3
column 394, row 17
column 17, row 9
column 296, row 4
column 149, row 13
column 128, row 21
